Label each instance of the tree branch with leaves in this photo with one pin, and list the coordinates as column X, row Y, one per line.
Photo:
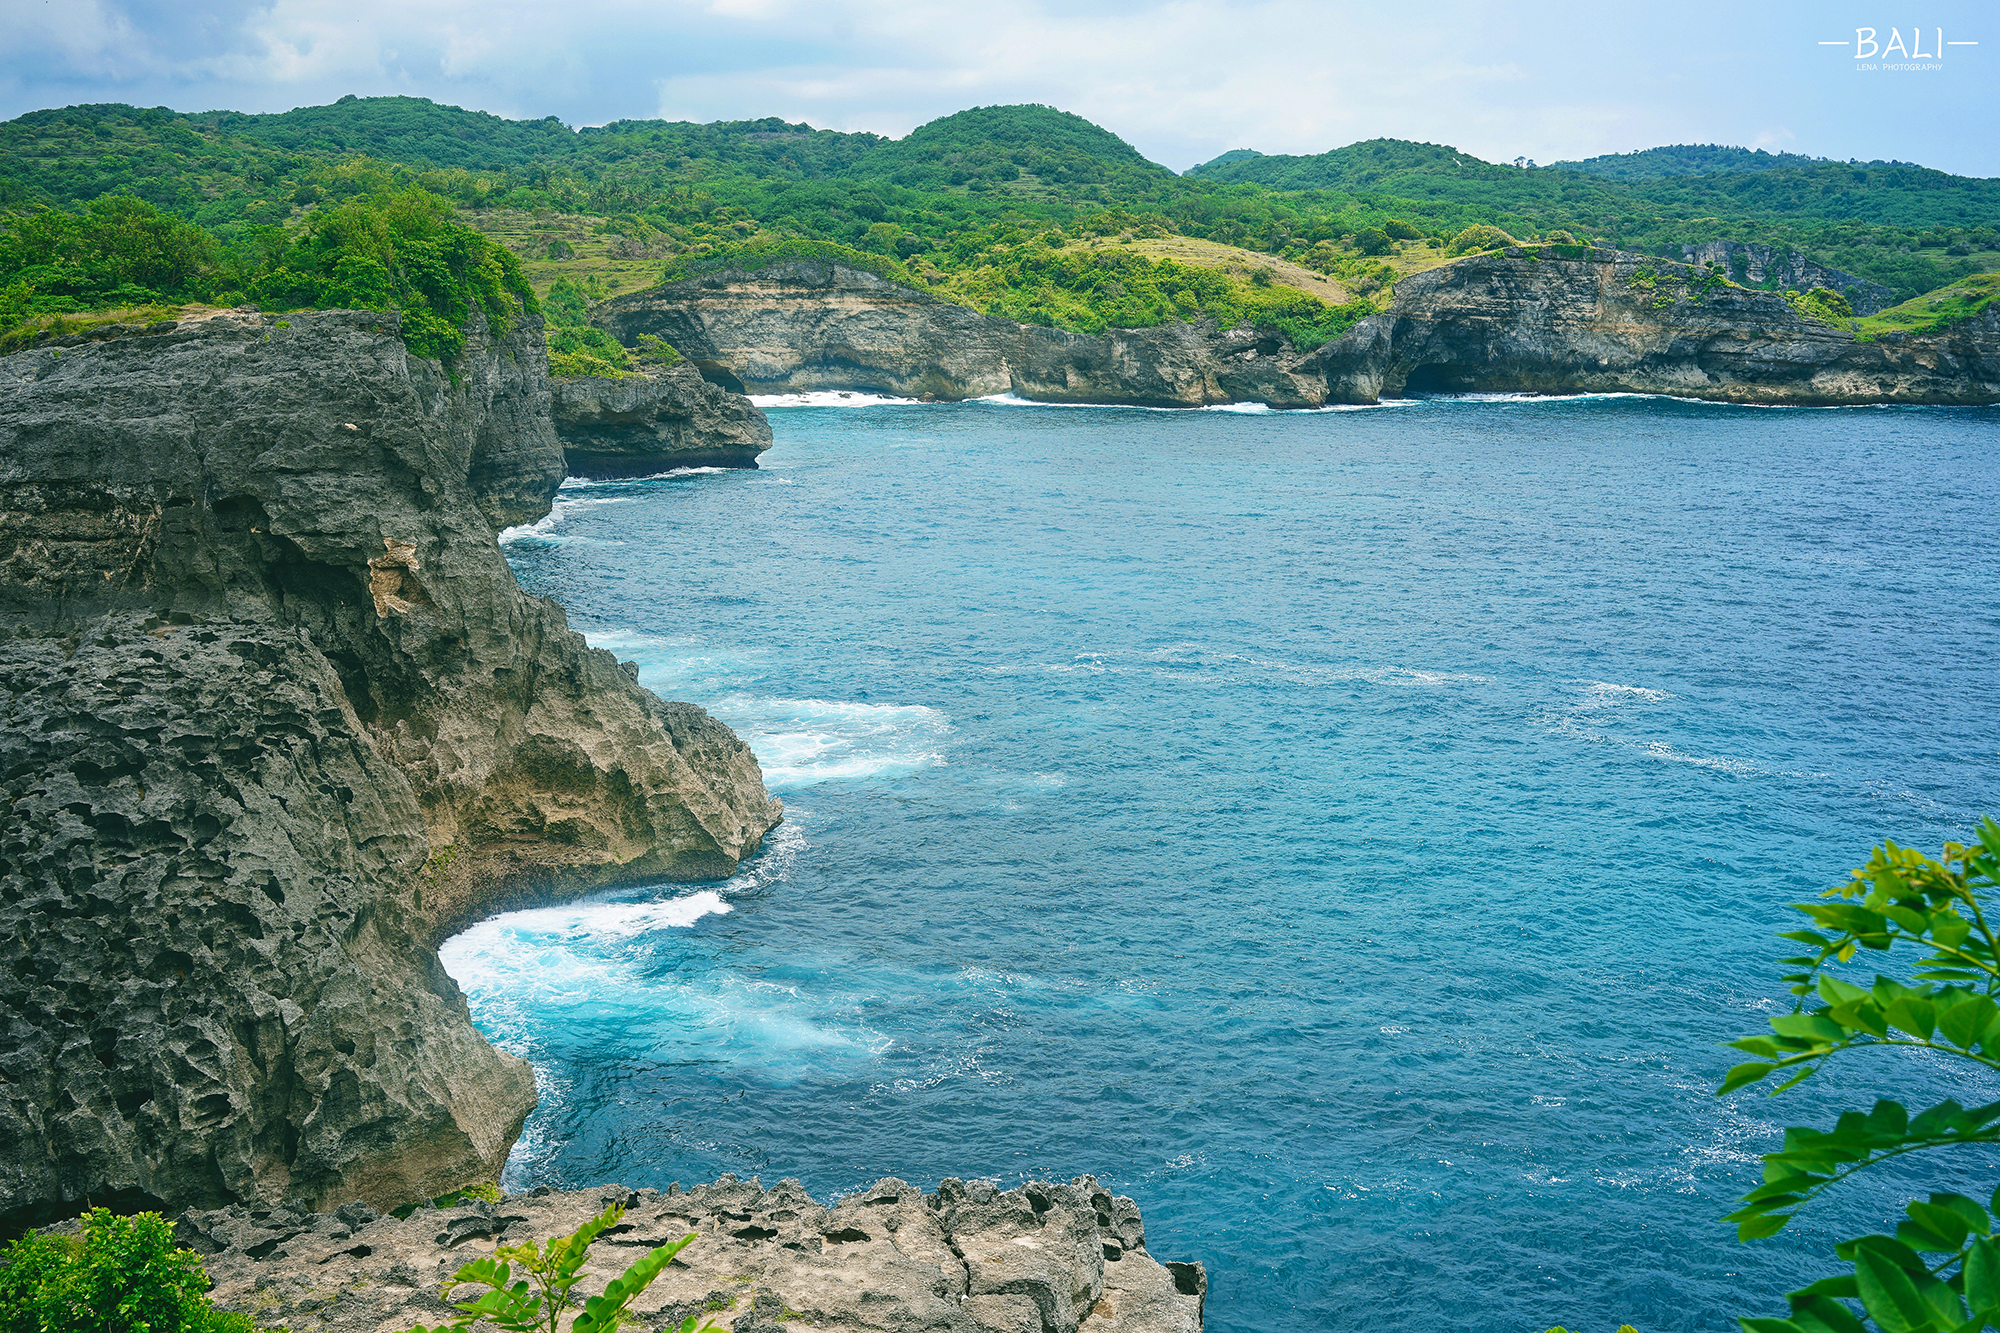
column 1940, row 1272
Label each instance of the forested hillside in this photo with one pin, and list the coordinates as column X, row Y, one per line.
column 984, row 207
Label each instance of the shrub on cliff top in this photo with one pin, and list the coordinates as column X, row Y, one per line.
column 122, row 1275
column 1480, row 236
column 119, row 251
column 404, row 250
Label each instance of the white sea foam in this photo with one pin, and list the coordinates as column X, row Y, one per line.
column 798, row 742
column 1604, row 693
column 801, row 742
column 544, row 528
column 830, row 398
column 1251, row 408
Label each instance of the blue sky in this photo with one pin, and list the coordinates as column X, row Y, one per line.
column 1181, row 81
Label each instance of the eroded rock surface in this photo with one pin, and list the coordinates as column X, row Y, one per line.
column 971, row 1258
column 1527, row 321
column 278, row 718
column 805, row 325
column 1611, row 322
column 642, row 425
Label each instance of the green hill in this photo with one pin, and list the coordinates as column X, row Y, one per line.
column 996, row 146
column 1683, row 159
column 972, row 205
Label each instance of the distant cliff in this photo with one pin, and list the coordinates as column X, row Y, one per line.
column 802, row 325
column 277, row 719
column 1536, row 319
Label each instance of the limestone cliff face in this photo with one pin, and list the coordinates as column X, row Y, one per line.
column 279, row 718
column 1522, row 321
column 1615, row 322
column 806, row 325
column 971, row 1258
column 642, row 425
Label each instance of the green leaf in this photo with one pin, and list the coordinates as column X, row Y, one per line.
column 1964, row 1023
column 1743, row 1075
column 1889, row 1296
column 1968, row 1211
column 1822, row 1314
column 1982, row 1276
column 1837, row 992
column 1757, row 1228
column 1813, row 1027
column 1916, row 1017
column 1914, row 922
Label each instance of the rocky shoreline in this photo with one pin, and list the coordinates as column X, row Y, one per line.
column 277, row 719
column 1550, row 319
column 969, row 1258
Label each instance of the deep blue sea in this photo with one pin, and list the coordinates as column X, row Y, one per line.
column 1348, row 833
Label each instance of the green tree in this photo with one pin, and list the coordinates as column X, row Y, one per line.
column 1940, row 1271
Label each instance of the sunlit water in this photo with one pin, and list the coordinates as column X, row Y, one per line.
column 1347, row 833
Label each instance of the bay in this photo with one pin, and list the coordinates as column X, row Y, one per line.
column 1348, row 833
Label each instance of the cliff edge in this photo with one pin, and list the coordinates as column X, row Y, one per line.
column 971, row 1258
column 278, row 719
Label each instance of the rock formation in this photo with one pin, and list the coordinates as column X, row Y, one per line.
column 642, row 425
column 1044, row 1258
column 1750, row 262
column 1529, row 320
column 803, row 325
column 1604, row 321
column 278, row 718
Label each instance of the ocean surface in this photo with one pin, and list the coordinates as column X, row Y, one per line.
column 1348, row 833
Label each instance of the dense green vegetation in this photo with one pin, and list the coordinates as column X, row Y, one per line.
column 1687, row 159
column 395, row 247
column 121, row 1275
column 1940, row 1271
column 980, row 207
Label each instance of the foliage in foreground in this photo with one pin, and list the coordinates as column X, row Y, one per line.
column 538, row 1300
column 122, row 1275
column 1940, row 1272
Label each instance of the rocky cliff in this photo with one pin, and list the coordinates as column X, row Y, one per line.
column 804, row 325
column 1529, row 320
column 278, row 718
column 642, row 425
column 1532, row 321
column 1044, row 1258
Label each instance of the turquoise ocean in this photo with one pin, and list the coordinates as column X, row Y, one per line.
column 1348, row 833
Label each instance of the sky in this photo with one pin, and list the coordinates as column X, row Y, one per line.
column 1180, row 81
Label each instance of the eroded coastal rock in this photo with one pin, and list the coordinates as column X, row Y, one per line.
column 646, row 424
column 1608, row 322
column 1526, row 320
column 971, row 1258
column 805, row 325
column 277, row 719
